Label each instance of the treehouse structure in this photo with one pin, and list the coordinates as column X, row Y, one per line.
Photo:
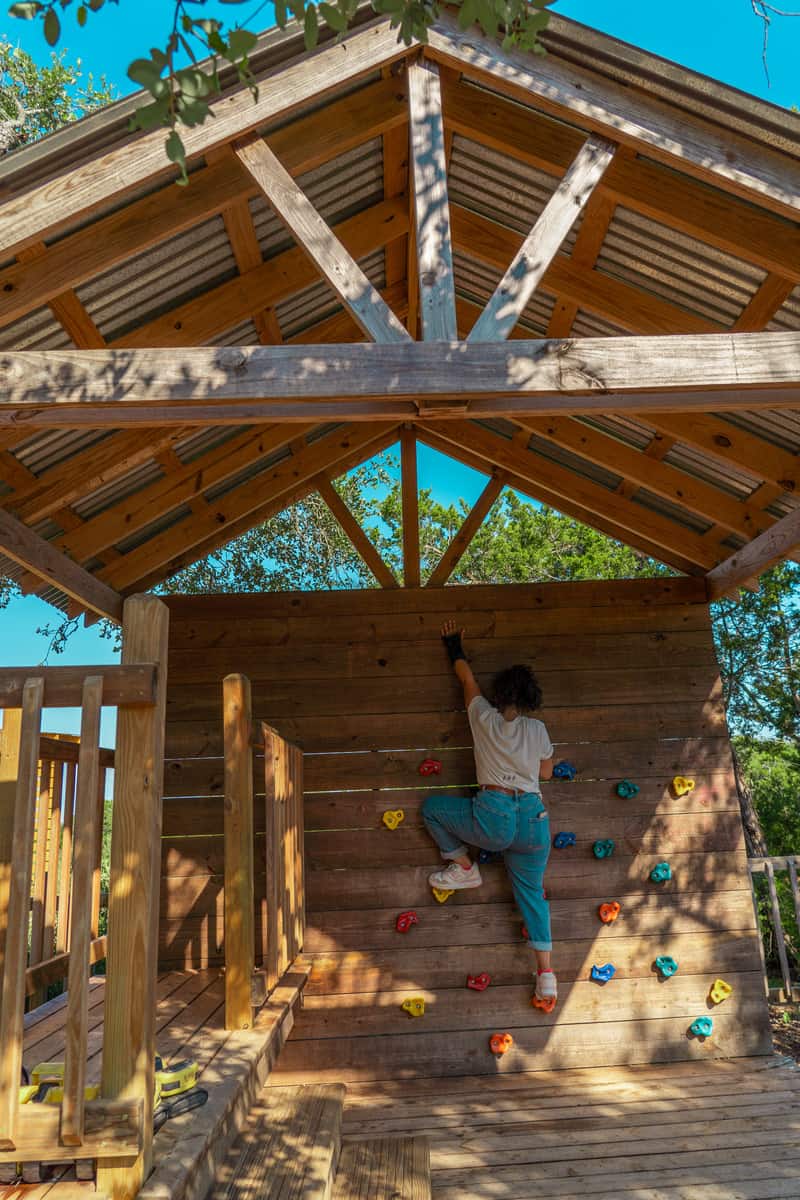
column 578, row 273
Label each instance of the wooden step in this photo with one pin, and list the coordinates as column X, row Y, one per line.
column 289, row 1147
column 384, row 1169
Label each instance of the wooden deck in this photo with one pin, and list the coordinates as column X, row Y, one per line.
column 722, row 1130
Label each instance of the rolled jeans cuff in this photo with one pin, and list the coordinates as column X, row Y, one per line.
column 459, row 852
column 541, row 945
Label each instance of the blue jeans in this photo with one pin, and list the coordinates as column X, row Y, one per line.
column 517, row 825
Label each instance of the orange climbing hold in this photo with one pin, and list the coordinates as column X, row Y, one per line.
column 545, row 1003
column 500, row 1043
column 609, row 912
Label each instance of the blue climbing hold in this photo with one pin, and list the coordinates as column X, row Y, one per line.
column 564, row 770
column 627, row 790
column 489, row 856
column 562, row 840
column 603, row 848
column 666, row 965
column 604, row 973
column 661, row 872
column 702, row 1027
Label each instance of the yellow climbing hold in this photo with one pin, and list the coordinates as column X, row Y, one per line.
column 720, row 990
column 681, row 786
column 414, row 1006
column 392, row 817
column 442, row 894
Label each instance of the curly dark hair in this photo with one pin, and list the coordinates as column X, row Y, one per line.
column 519, row 686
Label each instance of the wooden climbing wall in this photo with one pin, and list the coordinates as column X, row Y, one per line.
column 359, row 679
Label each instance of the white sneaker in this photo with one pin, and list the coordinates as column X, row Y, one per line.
column 546, row 987
column 453, row 877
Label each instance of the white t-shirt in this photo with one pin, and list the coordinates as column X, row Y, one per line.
column 507, row 753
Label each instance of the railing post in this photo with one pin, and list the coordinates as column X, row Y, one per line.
column 239, row 883
column 275, row 771
column 132, row 955
column 9, row 768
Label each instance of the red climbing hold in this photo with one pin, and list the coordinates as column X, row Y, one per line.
column 479, row 983
column 430, row 766
column 499, row 1043
column 405, row 920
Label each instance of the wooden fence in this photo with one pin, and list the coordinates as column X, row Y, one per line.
column 768, row 867
column 283, row 922
column 116, row 1130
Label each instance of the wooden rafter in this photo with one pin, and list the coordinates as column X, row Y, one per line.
column 769, row 297
column 776, row 543
column 67, row 308
column 534, row 256
column 721, row 157
column 565, row 504
column 27, row 548
column 395, row 182
column 319, row 243
column 431, row 209
column 472, row 523
column 361, row 542
column 410, row 505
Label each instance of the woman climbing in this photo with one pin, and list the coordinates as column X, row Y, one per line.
column 512, row 754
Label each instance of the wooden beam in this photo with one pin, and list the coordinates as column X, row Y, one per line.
column 772, row 294
column 769, row 548
column 27, row 548
column 134, row 686
column 318, row 242
column 83, row 188
column 54, row 969
column 9, row 769
column 538, row 250
column 362, row 543
column 237, row 717
column 597, row 217
column 472, row 523
column 112, row 1128
column 697, row 147
column 431, row 210
column 67, row 308
column 410, row 506
column 626, row 514
column 395, row 183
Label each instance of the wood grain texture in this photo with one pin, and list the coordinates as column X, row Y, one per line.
column 132, row 685
column 238, row 865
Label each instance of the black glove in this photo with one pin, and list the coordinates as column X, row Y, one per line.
column 452, row 644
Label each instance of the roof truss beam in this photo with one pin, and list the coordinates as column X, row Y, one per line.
column 776, row 543
column 463, row 538
column 355, row 532
column 409, row 489
column 533, row 258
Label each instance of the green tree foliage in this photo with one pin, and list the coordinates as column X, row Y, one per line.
column 37, row 100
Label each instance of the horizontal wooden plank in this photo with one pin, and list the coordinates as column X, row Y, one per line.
column 450, row 1010
column 680, row 719
column 112, row 1129
column 411, row 967
column 561, row 1046
column 56, row 748
column 63, row 686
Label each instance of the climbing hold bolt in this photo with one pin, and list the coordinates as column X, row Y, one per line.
column 702, row 1027
column 603, row 848
column 681, row 786
column 666, row 965
column 562, row 840
column 627, row 790
column 499, row 1043
column 489, row 856
column 479, row 983
column 604, row 973
column 405, row 920
column 564, row 770
column 720, row 990
column 609, row 912
column 430, row 766
column 414, row 1006
column 661, row 872
column 442, row 894
column 392, row 817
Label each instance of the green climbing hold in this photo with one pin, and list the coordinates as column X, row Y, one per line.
column 627, row 790
column 603, row 848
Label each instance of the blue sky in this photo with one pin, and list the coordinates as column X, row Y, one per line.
column 720, row 38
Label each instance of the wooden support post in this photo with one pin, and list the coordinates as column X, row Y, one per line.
column 777, row 927
column 51, row 867
column 100, row 800
column 431, row 209
column 300, row 851
column 87, row 834
column 65, row 876
column 792, row 867
column 272, row 855
column 9, row 766
column 129, row 1039
column 12, row 1002
column 472, row 523
column 410, row 500
column 39, row 868
column 239, row 885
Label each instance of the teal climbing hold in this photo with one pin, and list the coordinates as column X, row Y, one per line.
column 603, row 848
column 661, row 872
column 666, row 965
column 702, row 1027
column 627, row 790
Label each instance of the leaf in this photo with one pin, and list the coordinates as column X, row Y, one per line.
column 468, row 14
column 145, row 72
column 193, row 82
column 192, row 112
column 176, row 152
column 52, row 27
column 241, row 42
column 334, row 18
column 151, row 116
column 26, row 11
column 82, row 15
column 311, row 27
column 96, row 5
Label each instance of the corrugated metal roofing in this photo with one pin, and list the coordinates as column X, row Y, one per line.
column 319, row 301
column 788, row 315
column 476, row 281
column 781, row 427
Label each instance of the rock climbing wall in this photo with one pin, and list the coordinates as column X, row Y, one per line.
column 632, row 693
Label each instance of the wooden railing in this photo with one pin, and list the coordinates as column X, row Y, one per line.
column 768, row 867
column 116, row 1130
column 284, row 921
